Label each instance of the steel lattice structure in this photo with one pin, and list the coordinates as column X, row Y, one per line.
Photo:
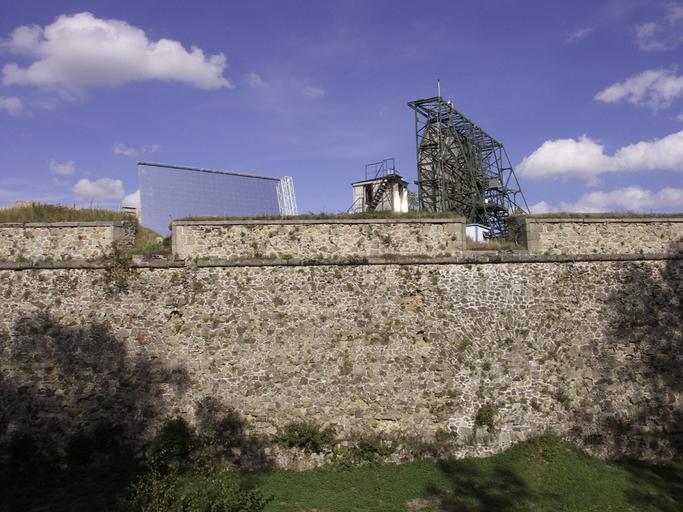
column 462, row 168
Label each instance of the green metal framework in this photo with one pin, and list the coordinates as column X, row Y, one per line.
column 462, row 168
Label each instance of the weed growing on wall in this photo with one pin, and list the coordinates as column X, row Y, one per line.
column 307, row 436
column 486, row 417
column 119, row 271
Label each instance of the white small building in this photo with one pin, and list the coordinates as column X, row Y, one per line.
column 476, row 232
column 385, row 193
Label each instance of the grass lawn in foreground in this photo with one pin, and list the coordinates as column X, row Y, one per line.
column 544, row 474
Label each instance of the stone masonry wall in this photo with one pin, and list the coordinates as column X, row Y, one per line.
column 589, row 346
column 591, row 235
column 590, row 349
column 62, row 240
column 311, row 239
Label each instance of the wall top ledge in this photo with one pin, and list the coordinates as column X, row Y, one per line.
column 450, row 220
column 599, row 220
column 84, row 224
column 468, row 258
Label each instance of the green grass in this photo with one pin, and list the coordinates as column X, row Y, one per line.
column 598, row 215
column 54, row 213
column 544, row 474
column 342, row 216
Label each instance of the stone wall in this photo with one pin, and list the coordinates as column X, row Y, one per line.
column 588, row 349
column 585, row 346
column 63, row 240
column 601, row 235
column 317, row 239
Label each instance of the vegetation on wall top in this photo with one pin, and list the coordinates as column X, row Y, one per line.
column 36, row 212
column 334, row 216
column 598, row 215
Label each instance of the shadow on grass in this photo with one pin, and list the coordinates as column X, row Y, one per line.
column 473, row 489
column 654, row 487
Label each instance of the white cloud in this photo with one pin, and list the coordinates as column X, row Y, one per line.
column 122, row 149
column 313, row 92
column 578, row 34
column 150, row 148
column 254, row 80
column 63, row 168
column 13, row 106
column 663, row 34
column 540, row 207
column 648, row 36
column 103, row 189
column 629, row 198
column 132, row 200
column 81, row 50
column 679, row 117
column 656, row 88
column 632, row 198
column 586, row 159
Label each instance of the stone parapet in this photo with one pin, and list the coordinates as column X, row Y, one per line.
column 329, row 239
column 600, row 235
column 54, row 241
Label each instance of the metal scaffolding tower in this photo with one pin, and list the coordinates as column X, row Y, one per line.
column 462, row 168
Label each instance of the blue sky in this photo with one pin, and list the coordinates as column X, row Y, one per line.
column 587, row 96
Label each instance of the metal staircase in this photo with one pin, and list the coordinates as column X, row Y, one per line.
column 379, row 193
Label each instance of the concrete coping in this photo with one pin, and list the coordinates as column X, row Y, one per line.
column 467, row 258
column 599, row 220
column 451, row 220
column 84, row 224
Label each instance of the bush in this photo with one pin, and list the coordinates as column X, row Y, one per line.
column 366, row 449
column 173, row 442
column 486, row 417
column 306, row 435
column 214, row 491
column 155, row 490
column 219, row 492
column 372, row 448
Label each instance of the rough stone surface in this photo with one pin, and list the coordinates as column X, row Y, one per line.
column 328, row 240
column 63, row 240
column 588, row 349
column 590, row 235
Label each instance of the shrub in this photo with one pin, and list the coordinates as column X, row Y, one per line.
column 306, row 435
column 594, row 439
column 486, row 417
column 214, row 491
column 219, row 492
column 562, row 397
column 155, row 490
column 173, row 442
column 366, row 449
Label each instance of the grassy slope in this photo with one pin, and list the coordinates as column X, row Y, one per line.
column 542, row 475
